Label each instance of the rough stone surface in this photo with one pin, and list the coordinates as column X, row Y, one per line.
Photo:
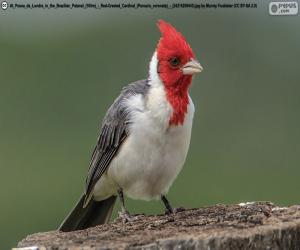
column 259, row 225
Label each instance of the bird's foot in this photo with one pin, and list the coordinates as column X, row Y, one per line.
column 125, row 216
column 174, row 210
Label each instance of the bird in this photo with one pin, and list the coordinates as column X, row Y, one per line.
column 144, row 137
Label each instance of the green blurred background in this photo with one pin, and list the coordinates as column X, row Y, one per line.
column 61, row 69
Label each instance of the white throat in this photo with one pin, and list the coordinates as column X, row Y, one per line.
column 153, row 75
column 157, row 103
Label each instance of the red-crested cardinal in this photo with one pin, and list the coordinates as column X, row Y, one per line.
column 144, row 137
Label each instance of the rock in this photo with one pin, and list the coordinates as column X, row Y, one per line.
column 254, row 225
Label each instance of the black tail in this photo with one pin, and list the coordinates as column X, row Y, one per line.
column 95, row 213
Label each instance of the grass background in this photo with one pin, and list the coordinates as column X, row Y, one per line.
column 61, row 69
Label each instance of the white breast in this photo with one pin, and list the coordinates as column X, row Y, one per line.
column 153, row 154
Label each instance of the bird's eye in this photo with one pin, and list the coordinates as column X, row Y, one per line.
column 174, row 61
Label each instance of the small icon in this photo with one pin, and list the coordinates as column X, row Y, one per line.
column 283, row 8
column 274, row 8
column 4, row 5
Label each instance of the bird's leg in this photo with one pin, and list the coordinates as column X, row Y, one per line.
column 169, row 209
column 124, row 214
column 121, row 197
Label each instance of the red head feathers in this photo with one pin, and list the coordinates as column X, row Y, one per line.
column 172, row 43
column 176, row 65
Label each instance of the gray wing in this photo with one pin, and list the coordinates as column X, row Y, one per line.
column 114, row 131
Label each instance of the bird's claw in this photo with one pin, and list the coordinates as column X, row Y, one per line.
column 178, row 210
column 175, row 210
column 125, row 216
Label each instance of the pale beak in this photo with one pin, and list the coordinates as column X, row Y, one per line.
column 192, row 67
